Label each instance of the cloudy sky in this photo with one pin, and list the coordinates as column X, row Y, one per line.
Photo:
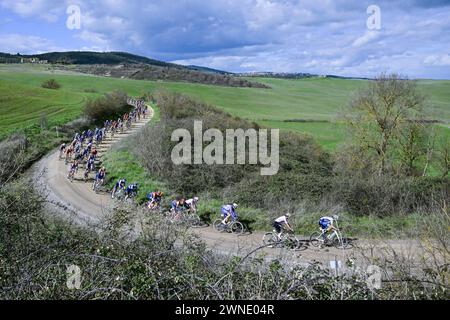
column 318, row 36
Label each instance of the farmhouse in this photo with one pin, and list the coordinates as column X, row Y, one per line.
column 33, row 60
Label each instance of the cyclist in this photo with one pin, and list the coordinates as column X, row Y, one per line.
column 73, row 169
column 100, row 177
column 282, row 223
column 68, row 152
column 191, row 204
column 229, row 212
column 154, row 199
column 86, row 172
column 178, row 204
column 327, row 224
column 131, row 190
column 94, row 153
column 62, row 150
column 118, row 186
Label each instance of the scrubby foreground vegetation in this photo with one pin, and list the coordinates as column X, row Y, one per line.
column 38, row 255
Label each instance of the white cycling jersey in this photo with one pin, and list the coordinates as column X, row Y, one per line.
column 190, row 202
column 282, row 219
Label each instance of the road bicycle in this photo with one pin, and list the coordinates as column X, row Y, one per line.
column 86, row 174
column 287, row 240
column 97, row 185
column 335, row 238
column 71, row 175
column 234, row 226
column 119, row 194
column 184, row 217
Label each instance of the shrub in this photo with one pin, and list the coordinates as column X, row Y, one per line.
column 299, row 154
column 110, row 106
column 51, row 84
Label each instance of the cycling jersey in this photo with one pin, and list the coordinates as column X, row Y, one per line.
column 325, row 222
column 177, row 205
column 131, row 188
column 281, row 220
column 229, row 210
column 100, row 175
column 120, row 184
column 190, row 202
column 153, row 196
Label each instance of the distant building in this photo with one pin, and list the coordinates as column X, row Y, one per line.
column 33, row 60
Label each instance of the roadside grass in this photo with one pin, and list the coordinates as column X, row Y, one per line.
column 392, row 227
column 122, row 164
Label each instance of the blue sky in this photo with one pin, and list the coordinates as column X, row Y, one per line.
column 320, row 36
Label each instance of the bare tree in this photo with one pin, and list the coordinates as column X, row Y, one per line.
column 379, row 113
column 442, row 155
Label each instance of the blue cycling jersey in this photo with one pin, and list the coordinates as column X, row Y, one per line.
column 228, row 209
column 325, row 222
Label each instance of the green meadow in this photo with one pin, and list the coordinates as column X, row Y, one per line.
column 311, row 105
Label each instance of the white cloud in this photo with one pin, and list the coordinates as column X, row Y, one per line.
column 43, row 9
column 317, row 36
column 437, row 60
column 368, row 37
column 25, row 44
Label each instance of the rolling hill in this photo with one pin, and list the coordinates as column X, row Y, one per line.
column 126, row 65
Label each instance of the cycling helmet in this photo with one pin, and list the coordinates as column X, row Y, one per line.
column 287, row 215
column 336, row 217
column 195, row 199
column 235, row 205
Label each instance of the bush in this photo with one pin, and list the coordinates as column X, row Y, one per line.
column 299, row 154
column 13, row 156
column 51, row 84
column 110, row 106
column 387, row 196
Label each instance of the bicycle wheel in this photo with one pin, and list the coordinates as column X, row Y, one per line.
column 340, row 243
column 217, row 225
column 237, row 227
column 315, row 239
column 194, row 220
column 270, row 239
column 292, row 243
column 119, row 194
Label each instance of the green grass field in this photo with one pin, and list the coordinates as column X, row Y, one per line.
column 23, row 101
